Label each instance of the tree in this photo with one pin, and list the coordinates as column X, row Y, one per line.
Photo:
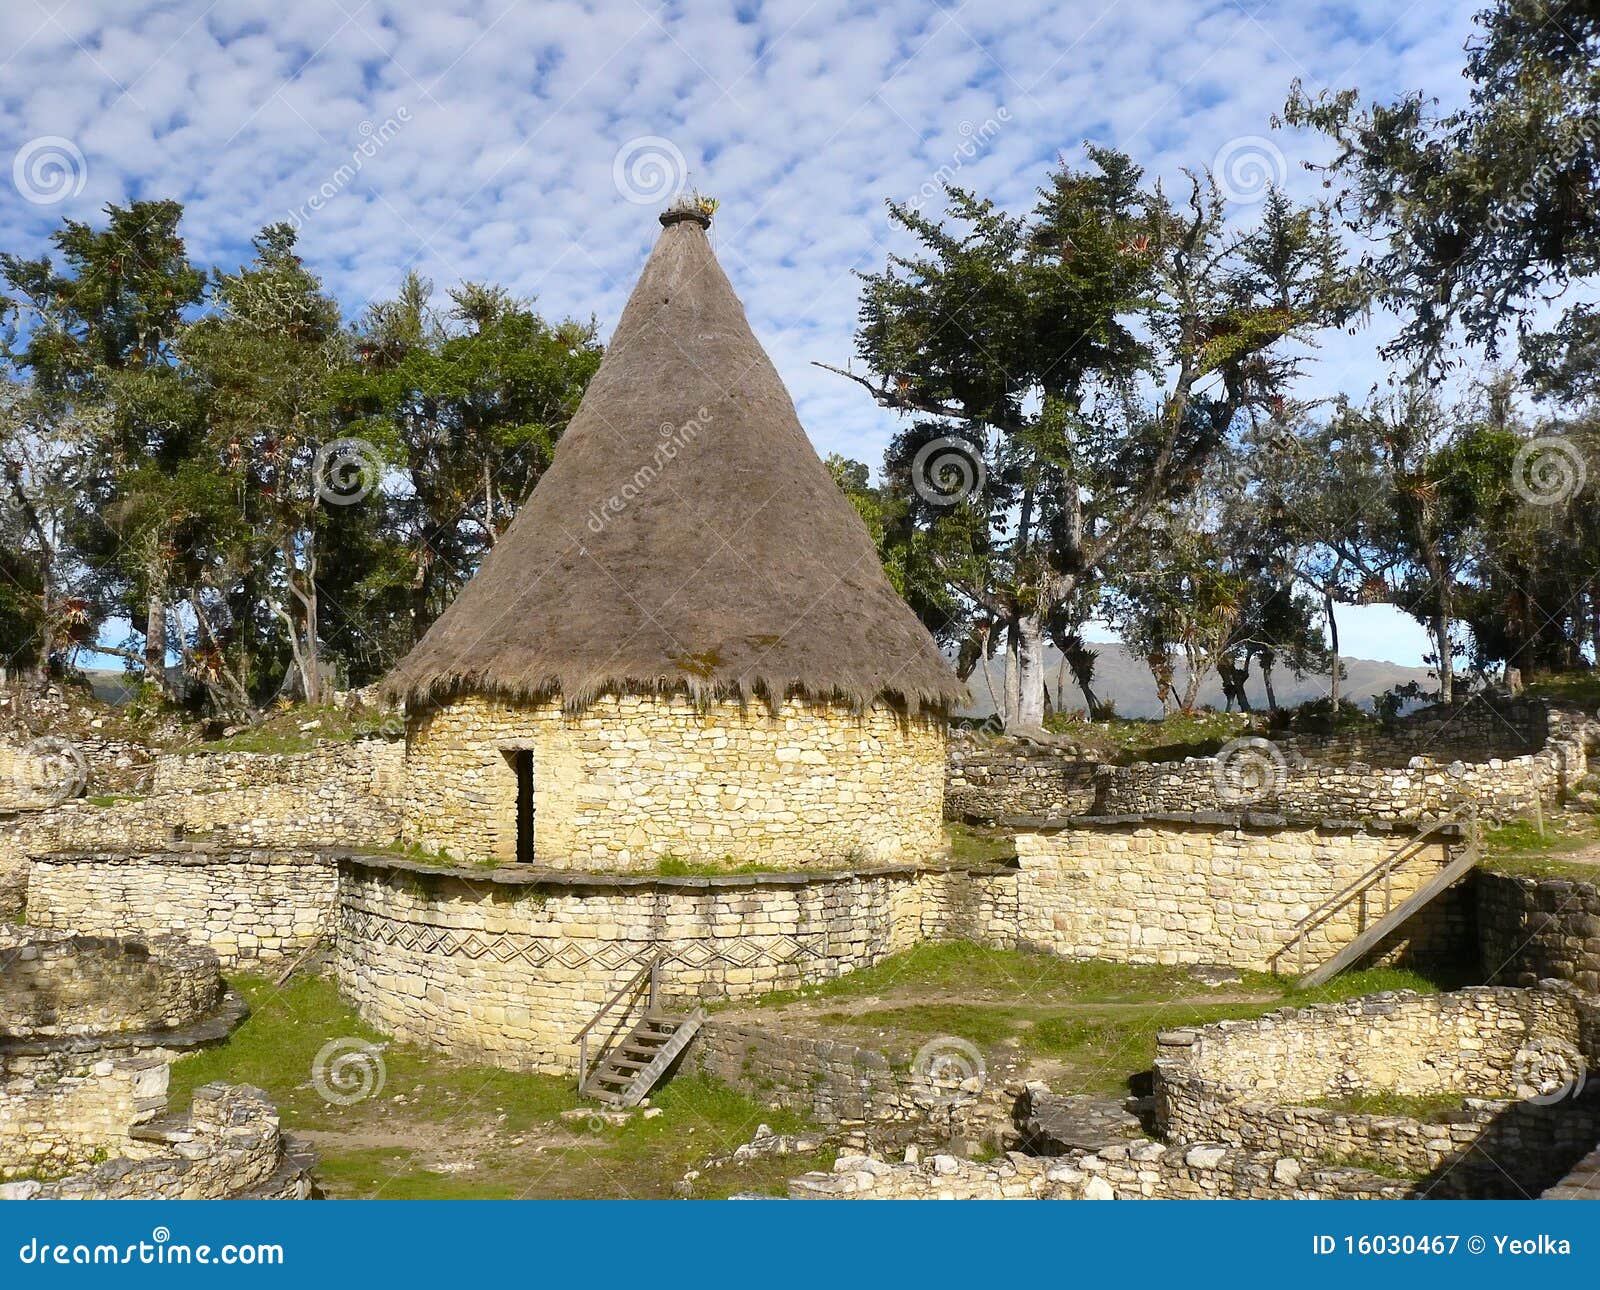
column 1488, row 212
column 469, row 404
column 265, row 359
column 100, row 338
column 1016, row 345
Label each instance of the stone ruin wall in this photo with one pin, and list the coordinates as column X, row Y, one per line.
column 635, row 778
column 88, row 1030
column 1500, row 758
column 989, row 779
column 1531, row 929
column 338, row 794
column 1140, row 1171
column 1187, row 889
column 68, row 984
column 1250, row 1085
column 249, row 905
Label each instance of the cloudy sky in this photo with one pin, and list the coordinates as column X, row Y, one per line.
column 531, row 142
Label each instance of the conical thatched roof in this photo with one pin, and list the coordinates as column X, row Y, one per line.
column 685, row 537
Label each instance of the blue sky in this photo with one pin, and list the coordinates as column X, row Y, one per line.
column 532, row 142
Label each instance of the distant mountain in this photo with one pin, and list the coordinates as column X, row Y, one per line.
column 1125, row 681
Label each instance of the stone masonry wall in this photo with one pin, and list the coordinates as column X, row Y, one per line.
column 990, row 778
column 1304, row 779
column 1182, row 890
column 246, row 904
column 60, row 984
column 510, row 965
column 1140, row 1171
column 1531, row 929
column 59, row 1110
column 1252, row 1084
column 634, row 778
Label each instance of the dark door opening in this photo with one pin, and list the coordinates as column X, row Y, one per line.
column 522, row 762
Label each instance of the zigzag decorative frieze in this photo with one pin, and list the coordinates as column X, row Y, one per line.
column 503, row 947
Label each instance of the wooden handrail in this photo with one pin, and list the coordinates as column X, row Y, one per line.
column 1359, row 886
column 630, row 986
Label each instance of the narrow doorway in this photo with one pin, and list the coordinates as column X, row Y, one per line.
column 522, row 762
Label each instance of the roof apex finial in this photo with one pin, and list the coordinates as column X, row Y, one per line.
column 689, row 206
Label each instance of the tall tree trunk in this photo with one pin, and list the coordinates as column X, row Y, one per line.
column 1333, row 648
column 1439, row 629
column 1267, row 662
column 155, row 641
column 1025, row 672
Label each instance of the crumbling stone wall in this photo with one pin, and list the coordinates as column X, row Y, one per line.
column 61, row 984
column 1304, row 779
column 1197, row 889
column 634, row 778
column 1140, row 1171
column 337, row 795
column 227, row 1146
column 989, row 779
column 245, row 903
column 1248, row 1084
column 1531, row 929
column 61, row 1109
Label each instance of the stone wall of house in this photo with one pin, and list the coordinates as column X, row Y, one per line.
column 510, row 964
column 635, row 778
column 1254, row 1084
column 1306, row 779
column 1531, row 929
column 989, row 779
column 372, row 767
column 62, row 984
column 1195, row 889
column 227, row 1146
column 245, row 903
column 1139, row 1171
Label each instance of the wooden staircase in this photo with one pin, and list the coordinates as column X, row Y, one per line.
column 1393, row 916
column 631, row 1069
column 626, row 1070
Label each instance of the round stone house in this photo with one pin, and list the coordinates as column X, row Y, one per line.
column 684, row 647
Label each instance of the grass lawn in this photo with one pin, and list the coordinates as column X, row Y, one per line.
column 446, row 1128
column 1085, row 1026
column 1520, row 848
column 283, row 731
column 1426, row 1107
